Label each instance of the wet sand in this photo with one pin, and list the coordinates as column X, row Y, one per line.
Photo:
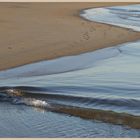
column 38, row 31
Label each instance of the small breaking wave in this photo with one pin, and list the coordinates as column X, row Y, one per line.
column 16, row 96
column 20, row 97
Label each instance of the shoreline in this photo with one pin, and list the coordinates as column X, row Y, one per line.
column 62, row 64
column 116, row 26
column 86, row 38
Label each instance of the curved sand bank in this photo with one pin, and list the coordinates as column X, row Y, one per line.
column 36, row 31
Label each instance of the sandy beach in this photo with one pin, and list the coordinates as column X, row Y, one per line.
column 73, row 94
column 32, row 32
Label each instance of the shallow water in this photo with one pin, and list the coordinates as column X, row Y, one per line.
column 123, row 16
column 30, row 122
column 50, row 97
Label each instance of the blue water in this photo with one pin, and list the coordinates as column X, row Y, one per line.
column 107, row 80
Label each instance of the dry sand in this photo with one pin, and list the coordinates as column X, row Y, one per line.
column 32, row 32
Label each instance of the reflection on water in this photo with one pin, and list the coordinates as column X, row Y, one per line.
column 109, row 84
column 22, row 121
column 105, row 81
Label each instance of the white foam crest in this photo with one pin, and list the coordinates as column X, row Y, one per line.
column 35, row 102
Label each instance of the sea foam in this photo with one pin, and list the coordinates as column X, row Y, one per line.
column 122, row 16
